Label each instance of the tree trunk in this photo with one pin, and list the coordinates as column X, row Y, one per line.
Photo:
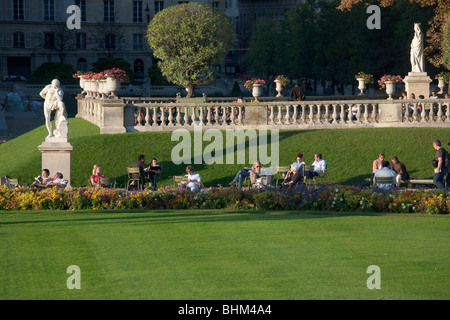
column 190, row 91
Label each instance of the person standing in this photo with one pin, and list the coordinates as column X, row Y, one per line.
column 441, row 169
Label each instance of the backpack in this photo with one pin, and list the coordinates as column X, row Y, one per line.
column 446, row 159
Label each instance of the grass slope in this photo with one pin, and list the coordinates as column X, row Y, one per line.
column 187, row 255
column 349, row 153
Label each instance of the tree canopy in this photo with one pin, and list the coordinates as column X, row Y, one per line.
column 437, row 24
column 320, row 42
column 189, row 39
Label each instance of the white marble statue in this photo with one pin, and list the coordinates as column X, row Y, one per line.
column 53, row 95
column 417, row 58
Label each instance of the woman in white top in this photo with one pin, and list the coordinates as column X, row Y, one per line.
column 194, row 180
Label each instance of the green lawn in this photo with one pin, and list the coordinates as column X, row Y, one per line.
column 348, row 152
column 223, row 255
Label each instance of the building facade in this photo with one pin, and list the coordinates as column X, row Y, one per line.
column 33, row 32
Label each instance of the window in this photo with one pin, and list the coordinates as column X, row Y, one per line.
column 180, row 2
column 82, row 5
column 49, row 10
column 108, row 11
column 110, row 41
column 18, row 40
column 82, row 64
column 81, row 41
column 49, row 40
column 137, row 41
column 159, row 5
column 137, row 11
column 215, row 4
column 18, row 10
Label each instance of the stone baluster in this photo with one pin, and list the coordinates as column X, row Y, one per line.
column 178, row 117
column 147, row 116
column 186, row 116
column 170, row 117
column 304, row 108
column 441, row 112
column 335, row 112
column 193, row 116
column 311, row 113
column 216, row 116
column 366, row 113
column 271, row 117
column 279, row 115
column 295, row 114
column 155, row 116
column 208, row 115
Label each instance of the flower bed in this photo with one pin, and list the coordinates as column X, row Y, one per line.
column 329, row 197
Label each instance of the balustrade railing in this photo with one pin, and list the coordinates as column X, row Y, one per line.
column 153, row 114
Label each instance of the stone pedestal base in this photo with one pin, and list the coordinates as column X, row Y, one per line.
column 417, row 83
column 256, row 115
column 390, row 112
column 56, row 157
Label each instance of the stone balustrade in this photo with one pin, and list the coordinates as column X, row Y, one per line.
column 153, row 114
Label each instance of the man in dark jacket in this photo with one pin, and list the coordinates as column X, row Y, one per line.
column 297, row 93
column 400, row 170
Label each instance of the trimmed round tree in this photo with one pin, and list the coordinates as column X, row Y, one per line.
column 189, row 39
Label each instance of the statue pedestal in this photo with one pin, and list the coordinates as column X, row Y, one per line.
column 56, row 155
column 417, row 83
column 390, row 112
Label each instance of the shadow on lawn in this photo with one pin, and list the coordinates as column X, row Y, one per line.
column 165, row 217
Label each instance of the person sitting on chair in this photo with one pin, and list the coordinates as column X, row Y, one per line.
column 240, row 176
column 292, row 177
column 194, row 180
column 400, row 170
column 140, row 163
column 320, row 165
column 153, row 170
column 96, row 175
column 256, row 175
column 58, row 180
column 43, row 180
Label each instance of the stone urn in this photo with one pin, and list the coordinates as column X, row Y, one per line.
column 94, row 88
column 441, row 84
column 279, row 88
column 257, row 91
column 88, row 87
column 102, row 89
column 390, row 89
column 361, row 86
column 82, row 84
column 113, row 85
